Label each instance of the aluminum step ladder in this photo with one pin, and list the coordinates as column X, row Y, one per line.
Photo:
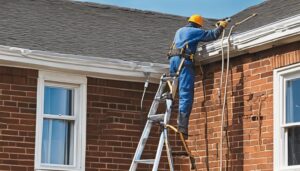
column 162, row 119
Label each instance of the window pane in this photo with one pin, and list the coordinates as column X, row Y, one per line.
column 293, row 101
column 58, row 142
column 294, row 146
column 58, row 101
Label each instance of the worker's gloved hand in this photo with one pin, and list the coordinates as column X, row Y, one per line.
column 222, row 24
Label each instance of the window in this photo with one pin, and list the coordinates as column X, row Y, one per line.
column 61, row 122
column 287, row 119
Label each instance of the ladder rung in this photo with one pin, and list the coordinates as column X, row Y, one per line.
column 157, row 117
column 145, row 161
column 164, row 96
column 158, row 98
column 168, row 78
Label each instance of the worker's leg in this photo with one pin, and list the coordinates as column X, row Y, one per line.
column 186, row 91
column 186, row 96
column 174, row 64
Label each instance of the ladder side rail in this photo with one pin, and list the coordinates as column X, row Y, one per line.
column 158, row 151
column 169, row 150
column 163, row 136
column 141, row 146
column 167, row 116
column 168, row 113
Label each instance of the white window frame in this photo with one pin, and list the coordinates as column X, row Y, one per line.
column 79, row 84
column 280, row 151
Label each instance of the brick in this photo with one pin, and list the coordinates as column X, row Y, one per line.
column 267, row 74
column 14, row 150
column 9, row 109
column 4, row 167
column 13, row 93
column 10, row 103
column 254, row 65
column 23, row 99
column 23, row 88
column 4, row 86
column 23, row 115
column 24, row 110
column 4, row 155
column 31, row 94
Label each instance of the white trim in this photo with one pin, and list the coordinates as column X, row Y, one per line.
column 61, row 78
column 106, row 68
column 64, row 117
column 65, row 80
column 265, row 37
column 281, row 75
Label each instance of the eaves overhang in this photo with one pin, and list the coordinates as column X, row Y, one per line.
column 274, row 34
column 106, row 68
column 262, row 38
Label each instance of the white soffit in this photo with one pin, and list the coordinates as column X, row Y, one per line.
column 268, row 36
column 91, row 66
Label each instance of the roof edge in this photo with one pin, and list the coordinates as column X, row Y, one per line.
column 262, row 38
column 122, row 8
column 113, row 69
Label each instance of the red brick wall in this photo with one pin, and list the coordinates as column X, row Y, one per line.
column 17, row 118
column 114, row 123
column 248, row 145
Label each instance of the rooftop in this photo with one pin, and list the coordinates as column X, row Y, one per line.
column 90, row 29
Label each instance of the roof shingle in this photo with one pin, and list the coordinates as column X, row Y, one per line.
column 267, row 12
column 105, row 31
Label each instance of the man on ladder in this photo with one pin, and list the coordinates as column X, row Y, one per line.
column 182, row 73
column 184, row 46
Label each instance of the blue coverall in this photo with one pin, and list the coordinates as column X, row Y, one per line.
column 192, row 35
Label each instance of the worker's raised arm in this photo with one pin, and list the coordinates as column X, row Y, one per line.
column 210, row 35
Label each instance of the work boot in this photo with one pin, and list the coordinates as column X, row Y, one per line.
column 183, row 121
column 184, row 132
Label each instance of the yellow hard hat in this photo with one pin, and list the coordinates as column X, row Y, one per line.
column 196, row 19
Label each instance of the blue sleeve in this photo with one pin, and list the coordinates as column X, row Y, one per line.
column 209, row 35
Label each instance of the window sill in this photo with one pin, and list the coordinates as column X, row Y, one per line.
column 57, row 169
column 290, row 168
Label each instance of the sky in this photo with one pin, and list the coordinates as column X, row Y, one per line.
column 207, row 8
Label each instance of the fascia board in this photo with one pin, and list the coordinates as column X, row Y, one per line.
column 113, row 69
column 254, row 40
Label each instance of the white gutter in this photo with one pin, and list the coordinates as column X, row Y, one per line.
column 106, row 68
column 265, row 37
